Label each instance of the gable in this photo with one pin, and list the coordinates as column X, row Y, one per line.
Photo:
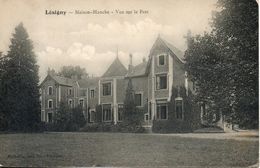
column 58, row 79
column 161, row 45
column 47, row 80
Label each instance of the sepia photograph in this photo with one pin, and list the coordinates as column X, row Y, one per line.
column 140, row 83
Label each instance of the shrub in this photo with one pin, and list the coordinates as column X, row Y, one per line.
column 110, row 127
column 171, row 126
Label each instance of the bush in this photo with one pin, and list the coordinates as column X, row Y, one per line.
column 110, row 127
column 171, row 126
column 67, row 119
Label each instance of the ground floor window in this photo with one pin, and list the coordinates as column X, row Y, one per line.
column 50, row 117
column 179, row 108
column 161, row 110
column 70, row 103
column 120, row 112
column 81, row 103
column 138, row 99
column 106, row 112
column 92, row 117
column 146, row 117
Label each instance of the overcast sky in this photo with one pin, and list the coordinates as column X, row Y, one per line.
column 91, row 40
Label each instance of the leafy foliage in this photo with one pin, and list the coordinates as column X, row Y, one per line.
column 224, row 63
column 62, row 118
column 68, row 119
column 78, row 118
column 131, row 114
column 20, row 106
column 70, row 71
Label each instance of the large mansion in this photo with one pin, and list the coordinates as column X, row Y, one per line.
column 161, row 86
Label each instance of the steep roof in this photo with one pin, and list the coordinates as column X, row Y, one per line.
column 60, row 80
column 85, row 83
column 178, row 53
column 138, row 70
column 115, row 69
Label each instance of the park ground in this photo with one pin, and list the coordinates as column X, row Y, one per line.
column 123, row 149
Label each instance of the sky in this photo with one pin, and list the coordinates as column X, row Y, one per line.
column 92, row 40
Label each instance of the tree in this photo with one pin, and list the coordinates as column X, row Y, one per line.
column 70, row 71
column 78, row 118
column 130, row 114
column 62, row 118
column 237, row 28
column 206, row 66
column 3, row 115
column 19, row 85
column 224, row 63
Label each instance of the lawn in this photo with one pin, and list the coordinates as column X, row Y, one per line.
column 119, row 149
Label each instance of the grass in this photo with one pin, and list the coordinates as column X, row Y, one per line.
column 118, row 149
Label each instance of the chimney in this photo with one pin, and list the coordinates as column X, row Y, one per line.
column 130, row 66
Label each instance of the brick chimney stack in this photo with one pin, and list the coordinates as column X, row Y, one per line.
column 130, row 66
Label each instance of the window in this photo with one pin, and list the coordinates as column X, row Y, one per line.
column 50, row 104
column 161, row 81
column 92, row 117
column 138, row 99
column 146, row 117
column 92, row 93
column 81, row 102
column 50, row 90
column 70, row 103
column 120, row 112
column 50, row 117
column 179, row 108
column 106, row 112
column 69, row 91
column 161, row 60
column 106, row 89
column 161, row 111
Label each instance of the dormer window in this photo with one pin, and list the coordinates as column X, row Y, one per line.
column 161, row 60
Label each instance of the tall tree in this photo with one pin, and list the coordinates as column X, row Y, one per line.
column 20, row 83
column 224, row 63
column 62, row 118
column 236, row 26
column 71, row 71
column 130, row 114
column 3, row 116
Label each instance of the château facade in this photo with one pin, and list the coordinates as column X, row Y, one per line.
column 162, row 91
